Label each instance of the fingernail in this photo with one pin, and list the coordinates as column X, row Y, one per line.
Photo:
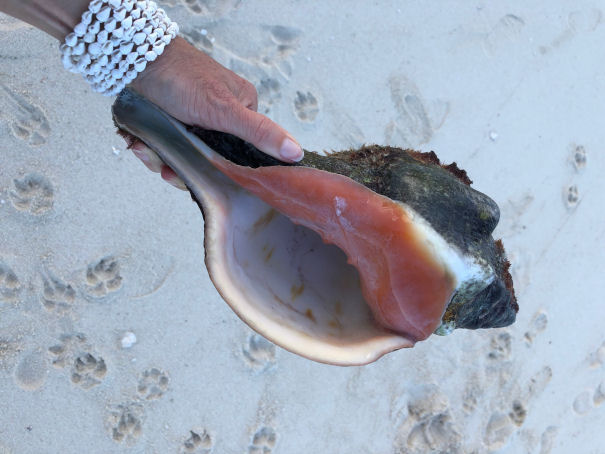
column 291, row 151
column 142, row 156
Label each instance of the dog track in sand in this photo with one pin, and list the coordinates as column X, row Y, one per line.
column 33, row 193
column 263, row 441
column 57, row 296
column 28, row 122
column 416, row 119
column 103, row 277
column 87, row 369
column 306, row 106
column 259, row 353
column 10, row 285
column 125, row 422
column 199, row 441
column 429, row 426
column 538, row 324
column 153, row 383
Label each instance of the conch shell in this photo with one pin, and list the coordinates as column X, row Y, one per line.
column 339, row 258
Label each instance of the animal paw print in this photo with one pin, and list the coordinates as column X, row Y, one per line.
column 199, row 442
column 259, row 352
column 152, row 384
column 501, row 346
column 306, row 106
column 263, row 441
column 87, row 370
column 103, row 277
column 33, row 193
column 571, row 196
column 30, row 123
column 56, row 294
column 429, row 426
column 538, row 324
column 269, row 93
column 10, row 286
column 125, row 422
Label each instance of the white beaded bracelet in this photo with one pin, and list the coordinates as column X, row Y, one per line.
column 115, row 41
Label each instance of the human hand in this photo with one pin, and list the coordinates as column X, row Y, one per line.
column 194, row 88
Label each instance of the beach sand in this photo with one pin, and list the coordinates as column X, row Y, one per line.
column 114, row 340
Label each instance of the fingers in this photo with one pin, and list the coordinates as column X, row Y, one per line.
column 264, row 134
column 153, row 162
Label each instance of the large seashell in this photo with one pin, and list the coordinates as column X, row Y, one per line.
column 418, row 253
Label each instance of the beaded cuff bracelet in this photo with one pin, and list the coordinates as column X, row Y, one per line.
column 115, row 41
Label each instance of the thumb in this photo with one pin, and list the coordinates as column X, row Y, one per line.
column 264, row 134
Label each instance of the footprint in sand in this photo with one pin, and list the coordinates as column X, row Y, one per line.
column 429, row 426
column 87, row 369
column 306, row 106
column 198, row 442
column 259, row 352
column 153, row 383
column 538, row 324
column 33, row 193
column 10, row 285
column 27, row 121
column 263, row 441
column 57, row 296
column 103, row 277
column 125, row 422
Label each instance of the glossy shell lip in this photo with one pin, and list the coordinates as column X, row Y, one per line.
column 279, row 278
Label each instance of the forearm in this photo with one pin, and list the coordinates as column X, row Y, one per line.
column 56, row 17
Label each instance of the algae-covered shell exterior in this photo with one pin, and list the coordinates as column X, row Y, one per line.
column 417, row 235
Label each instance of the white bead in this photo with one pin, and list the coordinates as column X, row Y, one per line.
column 102, row 36
column 83, row 62
column 95, row 67
column 135, row 13
column 71, row 39
column 103, row 60
column 126, row 48
column 87, row 17
column 115, row 42
column 128, row 4
column 98, row 77
column 163, row 27
column 103, row 15
column 89, row 37
column 132, row 57
column 79, row 49
column 150, row 55
column 107, row 48
column 80, row 29
column 129, row 34
column 140, row 64
column 95, row 6
column 138, row 38
column 148, row 29
column 127, row 23
column 131, row 74
column 116, row 73
column 115, row 3
column 139, row 23
column 118, row 33
column 142, row 49
column 94, row 49
column 152, row 7
column 94, row 27
column 111, row 24
column 123, row 66
column 152, row 37
column 66, row 60
column 166, row 39
column 120, row 13
column 65, row 49
column 159, row 48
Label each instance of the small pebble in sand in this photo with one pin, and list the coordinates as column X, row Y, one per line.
column 128, row 339
column 203, row 32
column 115, row 151
column 493, row 136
